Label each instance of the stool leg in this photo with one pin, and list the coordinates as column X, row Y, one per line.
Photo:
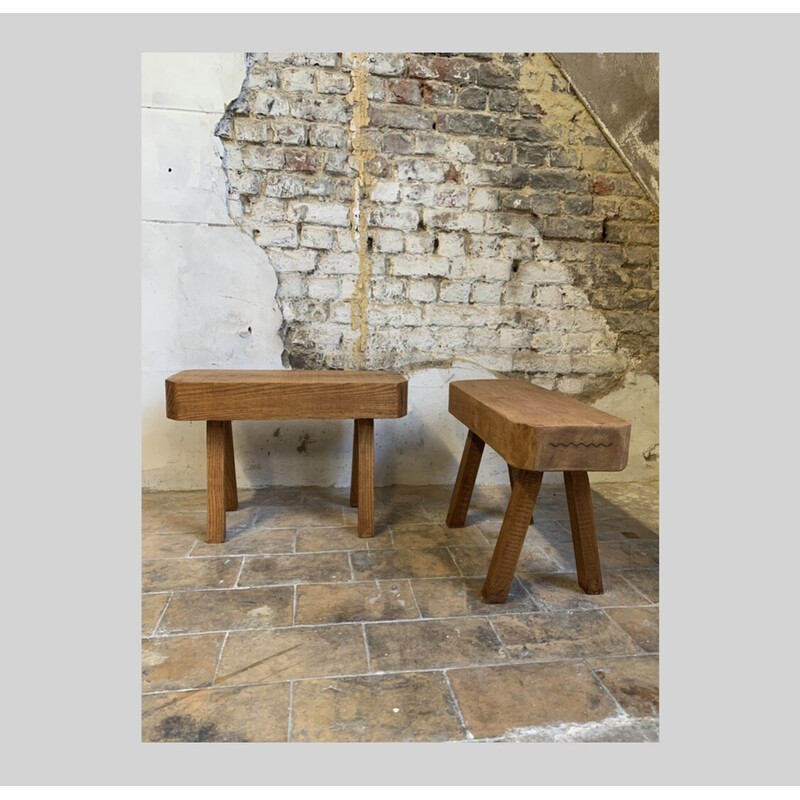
column 231, row 493
column 366, row 477
column 215, row 464
column 584, row 537
column 465, row 480
column 512, row 535
column 511, row 477
column 354, row 469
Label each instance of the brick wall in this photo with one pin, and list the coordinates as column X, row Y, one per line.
column 419, row 208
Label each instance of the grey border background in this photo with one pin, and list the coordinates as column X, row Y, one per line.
column 71, row 332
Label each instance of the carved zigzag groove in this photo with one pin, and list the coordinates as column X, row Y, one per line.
column 577, row 444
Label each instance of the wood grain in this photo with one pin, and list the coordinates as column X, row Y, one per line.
column 465, row 481
column 537, row 429
column 584, row 537
column 512, row 536
column 354, row 469
column 366, row 477
column 285, row 394
column 215, row 462
column 231, row 493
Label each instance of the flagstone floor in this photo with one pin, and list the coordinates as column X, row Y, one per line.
column 296, row 630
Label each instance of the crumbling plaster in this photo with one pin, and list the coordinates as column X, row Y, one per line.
column 211, row 298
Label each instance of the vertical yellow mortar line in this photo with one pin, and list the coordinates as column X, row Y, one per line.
column 359, row 218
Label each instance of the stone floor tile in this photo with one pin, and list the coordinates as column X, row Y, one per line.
column 179, row 662
column 554, row 591
column 620, row 728
column 195, row 522
column 153, row 606
column 249, row 541
column 164, row 574
column 302, row 517
column 472, row 562
column 623, row 555
column 407, row 707
column 292, row 653
column 643, row 580
column 633, row 682
column 317, row 540
column 496, row 700
column 228, row 609
column 433, row 644
column 299, row 568
column 152, row 518
column 641, row 624
column 462, row 596
column 435, row 535
column 167, row 545
column 561, row 635
column 354, row 602
column 239, row 714
column 398, row 564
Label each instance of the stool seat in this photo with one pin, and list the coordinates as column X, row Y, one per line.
column 538, row 429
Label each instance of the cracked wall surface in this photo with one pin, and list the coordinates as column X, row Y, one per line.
column 424, row 208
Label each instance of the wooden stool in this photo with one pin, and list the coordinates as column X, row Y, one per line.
column 220, row 396
column 535, row 430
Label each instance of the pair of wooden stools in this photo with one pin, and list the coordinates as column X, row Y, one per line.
column 535, row 430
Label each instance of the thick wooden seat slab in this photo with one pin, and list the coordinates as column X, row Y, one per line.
column 538, row 429
column 231, row 394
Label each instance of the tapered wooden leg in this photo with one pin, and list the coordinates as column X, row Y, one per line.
column 512, row 535
column 465, row 480
column 231, row 494
column 366, row 477
column 511, row 476
column 354, row 470
column 584, row 537
column 215, row 461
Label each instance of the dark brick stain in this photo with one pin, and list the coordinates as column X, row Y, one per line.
column 184, row 728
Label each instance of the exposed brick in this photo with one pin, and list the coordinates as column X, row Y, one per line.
column 387, row 241
column 498, row 75
column 450, row 245
column 262, row 158
column 385, row 192
column 438, row 94
column 422, row 291
column 418, row 169
column 536, row 154
column 569, row 228
column 292, row 260
column 284, row 186
column 557, row 180
column 503, row 100
column 487, row 269
column 320, row 213
column 406, row 91
column 455, row 291
column 376, row 63
column 339, row 263
column 251, row 130
column 467, row 123
column 324, row 288
column 290, row 133
column 277, row 236
column 452, row 196
column 303, row 59
column 498, row 152
column 300, row 161
column 527, row 130
column 473, row 97
column 453, row 220
column 631, row 232
column 384, row 288
column 459, row 71
column 400, row 218
column 326, row 136
column 329, row 82
column 382, row 116
column 578, row 205
column 321, row 109
column 419, row 265
column 419, row 242
column 316, row 238
column 297, row 80
column 271, row 104
column 488, row 293
column 398, row 143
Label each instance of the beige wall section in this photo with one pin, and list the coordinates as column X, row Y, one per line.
column 208, row 300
